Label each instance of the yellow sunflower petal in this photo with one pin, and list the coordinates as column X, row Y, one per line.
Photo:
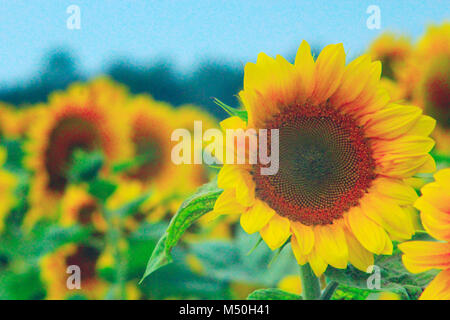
column 329, row 70
column 439, row 288
column 233, row 123
column 256, row 217
column 276, row 231
column 227, row 203
column 434, row 221
column 298, row 253
column 304, row 235
column 420, row 256
column 331, row 244
column 392, row 122
column 304, row 63
column 369, row 233
column 395, row 189
column 317, row 263
column 358, row 256
column 388, row 214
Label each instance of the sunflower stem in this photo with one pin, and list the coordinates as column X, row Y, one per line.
column 310, row 283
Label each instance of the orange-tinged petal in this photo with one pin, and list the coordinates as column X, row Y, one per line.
column 420, row 256
column 256, row 217
column 439, row 288
column 276, row 232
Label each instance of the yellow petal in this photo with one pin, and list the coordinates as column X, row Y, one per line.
column 304, row 235
column 392, row 122
column 369, row 233
column 276, row 232
column 407, row 145
column 317, row 263
column 227, row 203
column 395, row 189
column 329, row 70
column 439, row 288
column 358, row 256
column 388, row 214
column 355, row 76
column 304, row 63
column 331, row 244
column 423, row 127
column 298, row 253
column 233, row 123
column 256, row 217
column 420, row 256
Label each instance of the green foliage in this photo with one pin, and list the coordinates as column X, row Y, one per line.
column 272, row 294
column 393, row 275
column 229, row 261
column 232, row 111
column 85, row 166
column 191, row 210
column 102, row 189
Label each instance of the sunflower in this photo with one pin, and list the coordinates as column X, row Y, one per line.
column 85, row 117
column 344, row 148
column 54, row 268
column 79, row 207
column 420, row 256
column 431, row 83
column 392, row 51
column 151, row 128
column 8, row 183
column 196, row 174
column 19, row 121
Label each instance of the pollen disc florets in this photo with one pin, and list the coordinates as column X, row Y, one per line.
column 325, row 167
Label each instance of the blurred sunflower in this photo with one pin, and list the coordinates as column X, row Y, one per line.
column 54, row 274
column 433, row 88
column 420, row 256
column 79, row 207
column 19, row 120
column 8, row 184
column 151, row 128
column 392, row 51
column 196, row 174
column 344, row 152
column 85, row 117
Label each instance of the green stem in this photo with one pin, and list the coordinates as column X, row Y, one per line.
column 329, row 291
column 310, row 283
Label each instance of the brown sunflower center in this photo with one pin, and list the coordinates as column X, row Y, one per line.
column 86, row 258
column 325, row 165
column 69, row 135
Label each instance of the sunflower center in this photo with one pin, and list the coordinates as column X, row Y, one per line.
column 325, row 165
column 437, row 91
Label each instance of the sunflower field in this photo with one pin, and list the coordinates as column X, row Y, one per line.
column 93, row 206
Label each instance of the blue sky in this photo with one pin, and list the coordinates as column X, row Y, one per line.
column 189, row 30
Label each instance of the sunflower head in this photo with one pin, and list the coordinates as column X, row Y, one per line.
column 344, row 150
column 86, row 117
column 420, row 256
column 392, row 51
column 79, row 207
column 54, row 274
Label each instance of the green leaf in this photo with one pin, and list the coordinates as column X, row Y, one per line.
column 102, row 189
column 132, row 207
column 393, row 277
column 191, row 210
column 272, row 294
column 85, row 166
column 242, row 114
